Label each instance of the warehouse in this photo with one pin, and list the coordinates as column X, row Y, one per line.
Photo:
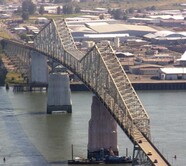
column 166, row 37
column 132, row 30
column 176, row 73
column 145, row 69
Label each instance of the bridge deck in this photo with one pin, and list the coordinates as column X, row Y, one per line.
column 149, row 149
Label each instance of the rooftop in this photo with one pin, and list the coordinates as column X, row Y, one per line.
column 175, row 70
column 108, row 28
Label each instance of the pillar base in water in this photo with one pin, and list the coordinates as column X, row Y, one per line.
column 102, row 137
column 101, row 154
column 59, row 108
column 59, row 94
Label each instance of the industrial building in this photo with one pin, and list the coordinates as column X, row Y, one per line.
column 166, row 37
column 143, row 20
column 176, row 73
column 132, row 30
column 145, row 69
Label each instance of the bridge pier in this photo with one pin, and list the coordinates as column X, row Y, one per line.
column 39, row 70
column 59, row 94
column 102, row 135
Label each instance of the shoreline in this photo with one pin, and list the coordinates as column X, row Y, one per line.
column 141, row 85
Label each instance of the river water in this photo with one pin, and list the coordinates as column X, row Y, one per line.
column 30, row 137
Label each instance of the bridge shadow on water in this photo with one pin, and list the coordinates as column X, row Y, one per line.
column 15, row 145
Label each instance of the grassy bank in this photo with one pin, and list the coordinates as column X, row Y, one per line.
column 14, row 78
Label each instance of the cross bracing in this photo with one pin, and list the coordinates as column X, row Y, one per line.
column 103, row 74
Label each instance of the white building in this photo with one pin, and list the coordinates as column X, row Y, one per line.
column 182, row 60
column 172, row 73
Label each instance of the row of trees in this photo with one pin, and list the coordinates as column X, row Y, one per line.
column 123, row 14
column 67, row 9
column 29, row 8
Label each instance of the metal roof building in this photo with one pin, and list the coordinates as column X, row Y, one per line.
column 132, row 30
column 173, row 73
column 166, row 37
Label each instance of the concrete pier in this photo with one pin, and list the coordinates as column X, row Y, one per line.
column 59, row 94
column 102, row 131
column 39, row 69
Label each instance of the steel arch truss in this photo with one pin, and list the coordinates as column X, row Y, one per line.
column 102, row 73
column 20, row 55
column 100, row 70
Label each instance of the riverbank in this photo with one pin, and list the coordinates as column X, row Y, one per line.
column 171, row 85
column 138, row 85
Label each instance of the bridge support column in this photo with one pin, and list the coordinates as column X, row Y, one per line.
column 102, row 137
column 59, row 94
column 39, row 70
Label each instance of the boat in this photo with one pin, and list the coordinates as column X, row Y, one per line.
column 107, row 160
column 84, row 161
column 117, row 160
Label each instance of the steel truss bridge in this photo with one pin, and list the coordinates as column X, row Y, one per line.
column 100, row 70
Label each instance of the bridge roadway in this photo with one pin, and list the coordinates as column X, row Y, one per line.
column 147, row 147
column 102, row 73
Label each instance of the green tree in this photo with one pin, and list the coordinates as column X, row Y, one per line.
column 77, row 9
column 131, row 10
column 153, row 8
column 101, row 16
column 41, row 10
column 58, row 10
column 28, row 6
column 67, row 9
column 125, row 16
column 25, row 15
column 118, row 14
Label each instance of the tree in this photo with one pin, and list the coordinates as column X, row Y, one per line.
column 153, row 8
column 28, row 6
column 58, row 10
column 67, row 9
column 41, row 10
column 101, row 16
column 131, row 10
column 125, row 16
column 117, row 14
column 25, row 15
column 77, row 9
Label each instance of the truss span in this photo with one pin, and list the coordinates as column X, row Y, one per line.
column 103, row 74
